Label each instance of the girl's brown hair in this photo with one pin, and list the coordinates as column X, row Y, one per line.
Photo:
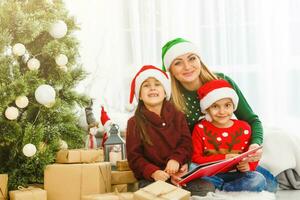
column 141, row 123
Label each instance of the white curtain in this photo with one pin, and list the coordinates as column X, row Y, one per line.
column 255, row 42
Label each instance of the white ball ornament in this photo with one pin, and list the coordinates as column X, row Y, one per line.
column 63, row 144
column 22, row 101
column 61, row 60
column 45, row 94
column 33, row 64
column 19, row 49
column 29, row 150
column 11, row 113
column 58, row 29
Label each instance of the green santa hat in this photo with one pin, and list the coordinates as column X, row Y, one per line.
column 175, row 48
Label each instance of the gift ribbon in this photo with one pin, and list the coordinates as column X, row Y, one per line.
column 106, row 183
column 116, row 192
column 159, row 194
column 2, row 193
column 92, row 159
column 29, row 189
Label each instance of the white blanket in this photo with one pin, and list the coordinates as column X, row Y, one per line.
column 219, row 195
column 281, row 150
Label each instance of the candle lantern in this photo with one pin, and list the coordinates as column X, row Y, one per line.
column 114, row 146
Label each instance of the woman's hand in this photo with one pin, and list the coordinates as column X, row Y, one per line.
column 255, row 156
column 243, row 166
column 172, row 167
column 160, row 175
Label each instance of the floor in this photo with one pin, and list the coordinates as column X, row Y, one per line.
column 288, row 195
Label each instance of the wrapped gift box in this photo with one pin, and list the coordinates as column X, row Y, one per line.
column 109, row 196
column 122, row 165
column 122, row 177
column 29, row 193
column 3, row 186
column 160, row 190
column 72, row 181
column 119, row 187
column 79, row 156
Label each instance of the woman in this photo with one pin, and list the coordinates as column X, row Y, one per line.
column 181, row 58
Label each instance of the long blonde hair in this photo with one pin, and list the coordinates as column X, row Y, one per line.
column 177, row 98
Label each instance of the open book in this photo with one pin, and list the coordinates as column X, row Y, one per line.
column 213, row 168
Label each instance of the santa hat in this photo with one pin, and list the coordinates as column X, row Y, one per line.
column 175, row 48
column 213, row 91
column 105, row 120
column 144, row 73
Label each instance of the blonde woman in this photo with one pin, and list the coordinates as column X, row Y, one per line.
column 188, row 73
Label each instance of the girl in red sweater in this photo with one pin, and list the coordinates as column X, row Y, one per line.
column 158, row 141
column 218, row 137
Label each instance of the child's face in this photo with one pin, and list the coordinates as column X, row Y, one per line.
column 221, row 111
column 152, row 92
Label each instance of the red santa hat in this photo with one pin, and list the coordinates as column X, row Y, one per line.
column 146, row 72
column 105, row 120
column 213, row 91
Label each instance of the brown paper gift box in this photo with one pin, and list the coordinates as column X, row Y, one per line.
column 29, row 193
column 160, row 190
column 122, row 165
column 3, row 186
column 79, row 156
column 119, row 187
column 109, row 196
column 122, row 177
column 71, row 181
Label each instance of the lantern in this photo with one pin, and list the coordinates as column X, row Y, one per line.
column 114, row 147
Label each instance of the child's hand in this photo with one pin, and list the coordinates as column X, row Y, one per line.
column 231, row 155
column 160, row 175
column 255, row 156
column 172, row 167
column 243, row 166
column 176, row 177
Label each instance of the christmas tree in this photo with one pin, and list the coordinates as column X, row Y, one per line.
column 39, row 71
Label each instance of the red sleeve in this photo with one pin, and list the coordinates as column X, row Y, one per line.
column 136, row 160
column 253, row 165
column 198, row 154
column 184, row 150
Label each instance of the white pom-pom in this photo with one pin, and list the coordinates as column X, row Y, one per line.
column 22, row 101
column 29, row 150
column 58, row 29
column 33, row 64
column 11, row 113
column 63, row 144
column 19, row 49
column 45, row 94
column 130, row 107
column 61, row 60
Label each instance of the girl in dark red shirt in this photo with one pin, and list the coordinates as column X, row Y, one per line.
column 158, row 140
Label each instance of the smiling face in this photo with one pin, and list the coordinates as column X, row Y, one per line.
column 221, row 112
column 186, row 68
column 152, row 93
